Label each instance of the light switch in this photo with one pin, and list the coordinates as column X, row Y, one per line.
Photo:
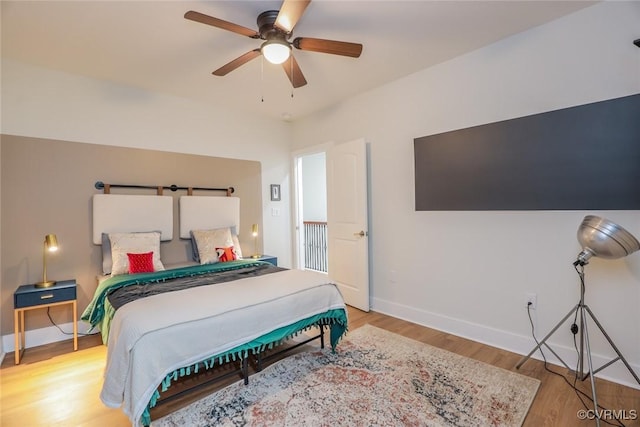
column 275, row 212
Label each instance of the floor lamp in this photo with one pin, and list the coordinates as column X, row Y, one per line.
column 601, row 238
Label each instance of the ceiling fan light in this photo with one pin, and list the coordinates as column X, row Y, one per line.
column 275, row 52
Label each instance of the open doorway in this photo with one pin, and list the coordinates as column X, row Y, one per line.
column 331, row 216
column 311, row 211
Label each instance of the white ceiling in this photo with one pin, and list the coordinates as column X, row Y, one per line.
column 148, row 44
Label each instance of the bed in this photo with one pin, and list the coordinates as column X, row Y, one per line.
column 161, row 323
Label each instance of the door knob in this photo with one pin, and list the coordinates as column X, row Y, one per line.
column 361, row 233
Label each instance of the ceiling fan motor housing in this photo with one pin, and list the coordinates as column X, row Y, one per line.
column 267, row 28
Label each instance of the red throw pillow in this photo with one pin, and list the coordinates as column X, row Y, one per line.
column 226, row 254
column 141, row 263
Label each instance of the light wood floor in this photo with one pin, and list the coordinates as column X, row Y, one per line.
column 54, row 386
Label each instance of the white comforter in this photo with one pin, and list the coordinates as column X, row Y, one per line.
column 152, row 337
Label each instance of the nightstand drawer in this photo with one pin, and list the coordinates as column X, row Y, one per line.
column 29, row 296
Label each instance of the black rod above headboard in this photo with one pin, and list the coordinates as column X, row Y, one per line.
column 159, row 188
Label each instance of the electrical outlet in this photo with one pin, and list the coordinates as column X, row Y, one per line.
column 531, row 301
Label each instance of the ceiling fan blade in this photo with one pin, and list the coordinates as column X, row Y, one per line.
column 294, row 72
column 219, row 23
column 290, row 13
column 328, row 46
column 241, row 60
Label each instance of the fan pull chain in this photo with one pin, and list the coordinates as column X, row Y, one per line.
column 292, row 76
column 262, row 78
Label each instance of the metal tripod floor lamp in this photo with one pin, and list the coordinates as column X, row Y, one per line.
column 601, row 238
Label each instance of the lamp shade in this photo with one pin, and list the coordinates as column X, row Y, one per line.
column 51, row 242
column 602, row 238
column 275, row 51
column 254, row 233
column 50, row 245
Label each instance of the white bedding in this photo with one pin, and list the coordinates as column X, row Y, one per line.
column 152, row 337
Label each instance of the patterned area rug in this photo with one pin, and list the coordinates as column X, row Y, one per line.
column 375, row 378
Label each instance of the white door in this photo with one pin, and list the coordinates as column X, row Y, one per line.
column 347, row 225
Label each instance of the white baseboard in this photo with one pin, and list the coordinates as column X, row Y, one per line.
column 505, row 340
column 48, row 335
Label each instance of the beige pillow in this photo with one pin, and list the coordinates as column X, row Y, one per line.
column 134, row 243
column 236, row 245
column 208, row 241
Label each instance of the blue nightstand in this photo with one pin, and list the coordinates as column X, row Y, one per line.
column 268, row 258
column 28, row 297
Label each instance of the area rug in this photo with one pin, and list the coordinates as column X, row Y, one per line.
column 375, row 378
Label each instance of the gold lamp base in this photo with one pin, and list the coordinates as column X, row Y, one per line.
column 47, row 284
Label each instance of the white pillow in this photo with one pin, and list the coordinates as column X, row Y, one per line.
column 208, row 240
column 133, row 243
column 236, row 245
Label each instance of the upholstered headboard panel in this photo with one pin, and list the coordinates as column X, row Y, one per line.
column 120, row 213
column 204, row 213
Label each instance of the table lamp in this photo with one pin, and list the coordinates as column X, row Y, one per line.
column 254, row 233
column 50, row 245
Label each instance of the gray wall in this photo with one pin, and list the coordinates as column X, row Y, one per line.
column 47, row 188
column 1, row 293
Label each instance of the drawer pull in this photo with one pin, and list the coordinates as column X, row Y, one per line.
column 48, row 296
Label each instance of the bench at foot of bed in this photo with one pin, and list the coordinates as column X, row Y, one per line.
column 256, row 349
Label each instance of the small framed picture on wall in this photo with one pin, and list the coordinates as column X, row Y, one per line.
column 275, row 192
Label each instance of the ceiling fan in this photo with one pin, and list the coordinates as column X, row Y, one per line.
column 276, row 28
